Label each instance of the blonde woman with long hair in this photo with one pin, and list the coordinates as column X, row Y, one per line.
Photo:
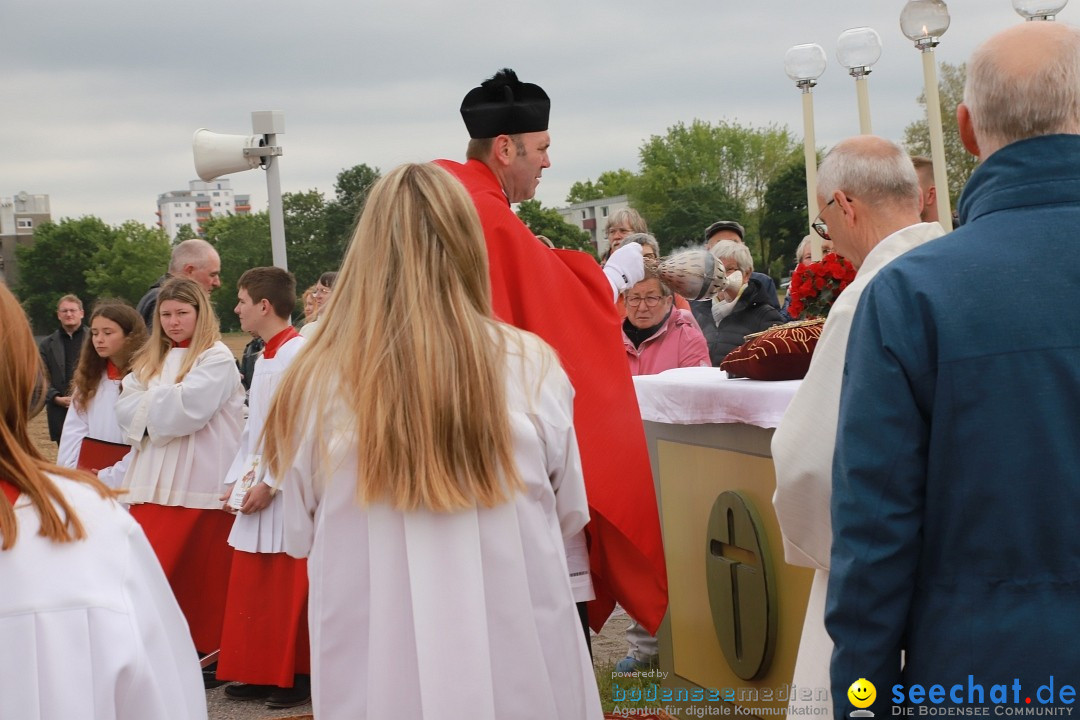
column 431, row 474
column 92, row 439
column 88, row 627
column 181, row 410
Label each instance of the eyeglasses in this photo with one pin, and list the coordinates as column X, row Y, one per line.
column 819, row 225
column 650, row 301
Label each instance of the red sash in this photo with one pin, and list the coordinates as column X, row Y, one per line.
column 10, row 491
column 97, row 455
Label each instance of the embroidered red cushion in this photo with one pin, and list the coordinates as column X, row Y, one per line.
column 780, row 353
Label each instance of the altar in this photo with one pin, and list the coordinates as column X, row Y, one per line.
column 735, row 610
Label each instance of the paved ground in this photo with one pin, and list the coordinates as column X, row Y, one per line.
column 608, row 647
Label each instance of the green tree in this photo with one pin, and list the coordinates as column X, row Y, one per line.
column 185, row 232
column 55, row 264
column 128, row 265
column 689, row 210
column 350, row 191
column 309, row 252
column 609, row 184
column 243, row 242
column 549, row 223
column 785, row 221
column 958, row 161
column 735, row 161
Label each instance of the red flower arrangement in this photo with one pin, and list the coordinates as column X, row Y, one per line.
column 815, row 287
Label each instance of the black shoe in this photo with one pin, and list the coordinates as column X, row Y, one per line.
column 298, row 694
column 244, row 691
column 209, row 677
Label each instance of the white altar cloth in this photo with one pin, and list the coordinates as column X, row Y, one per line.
column 697, row 395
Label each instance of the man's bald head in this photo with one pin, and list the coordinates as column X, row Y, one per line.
column 198, row 260
column 1023, row 82
column 867, row 190
column 873, row 168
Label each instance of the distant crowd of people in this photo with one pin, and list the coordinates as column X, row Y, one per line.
column 415, row 504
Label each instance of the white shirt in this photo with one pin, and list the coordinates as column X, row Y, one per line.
column 449, row 615
column 97, row 420
column 185, row 434
column 263, row 531
column 90, row 629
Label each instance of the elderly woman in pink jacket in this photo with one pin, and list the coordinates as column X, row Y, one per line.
column 657, row 335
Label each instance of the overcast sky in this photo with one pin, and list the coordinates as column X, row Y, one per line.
column 100, row 99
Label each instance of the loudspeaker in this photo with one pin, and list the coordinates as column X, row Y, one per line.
column 217, row 154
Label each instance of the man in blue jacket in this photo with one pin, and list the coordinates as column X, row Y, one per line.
column 956, row 478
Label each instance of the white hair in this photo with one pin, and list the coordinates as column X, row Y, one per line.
column 190, row 252
column 731, row 250
column 871, row 168
column 1009, row 103
column 803, row 244
column 643, row 239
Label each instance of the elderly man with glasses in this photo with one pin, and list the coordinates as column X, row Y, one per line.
column 871, row 216
column 956, row 547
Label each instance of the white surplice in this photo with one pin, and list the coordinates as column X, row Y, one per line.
column 802, row 451
column 264, row 531
column 185, row 434
column 97, row 420
column 449, row 615
column 89, row 630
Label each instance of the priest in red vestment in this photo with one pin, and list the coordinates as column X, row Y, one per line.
column 564, row 297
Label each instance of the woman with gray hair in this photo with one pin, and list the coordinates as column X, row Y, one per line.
column 741, row 308
column 620, row 224
column 650, row 249
column 649, row 246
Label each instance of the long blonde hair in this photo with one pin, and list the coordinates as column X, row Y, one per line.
column 151, row 358
column 21, row 464
column 409, row 349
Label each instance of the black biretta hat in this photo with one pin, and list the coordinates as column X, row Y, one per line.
column 503, row 105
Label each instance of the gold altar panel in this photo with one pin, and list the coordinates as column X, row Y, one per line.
column 691, row 477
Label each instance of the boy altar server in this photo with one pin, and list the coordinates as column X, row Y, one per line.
column 264, row 643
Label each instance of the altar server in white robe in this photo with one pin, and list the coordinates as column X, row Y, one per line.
column 92, row 439
column 88, row 627
column 431, row 474
column 181, row 409
column 264, row 644
column 870, row 199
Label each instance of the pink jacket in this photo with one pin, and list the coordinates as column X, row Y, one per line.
column 678, row 343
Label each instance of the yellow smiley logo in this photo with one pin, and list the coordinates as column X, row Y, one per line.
column 862, row 693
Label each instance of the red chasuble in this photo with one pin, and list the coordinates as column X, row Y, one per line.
column 563, row 296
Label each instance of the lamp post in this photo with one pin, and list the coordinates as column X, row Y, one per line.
column 924, row 21
column 805, row 64
column 1038, row 9
column 217, row 154
column 857, row 49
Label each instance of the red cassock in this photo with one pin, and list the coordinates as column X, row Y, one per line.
column 563, row 296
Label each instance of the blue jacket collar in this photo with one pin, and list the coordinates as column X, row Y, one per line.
column 1037, row 171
